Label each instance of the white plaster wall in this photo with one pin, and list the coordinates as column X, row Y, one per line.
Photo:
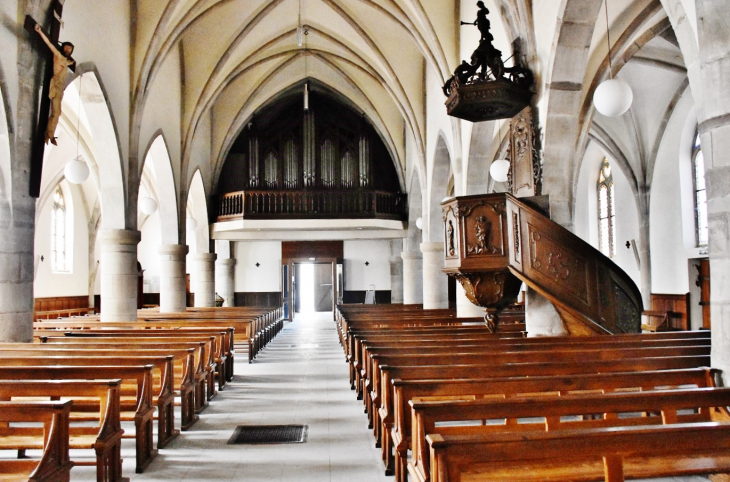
column 586, row 210
column 101, row 36
column 359, row 277
column 672, row 205
column 75, row 283
column 267, row 276
column 163, row 111
column 147, row 252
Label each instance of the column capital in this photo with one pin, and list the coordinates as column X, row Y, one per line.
column 119, row 236
column 203, row 257
column 432, row 247
column 411, row 255
column 173, row 249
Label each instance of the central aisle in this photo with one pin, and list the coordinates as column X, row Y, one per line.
column 299, row 378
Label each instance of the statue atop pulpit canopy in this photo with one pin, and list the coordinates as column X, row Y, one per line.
column 487, row 67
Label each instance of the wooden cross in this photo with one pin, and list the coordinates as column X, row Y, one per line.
column 38, row 142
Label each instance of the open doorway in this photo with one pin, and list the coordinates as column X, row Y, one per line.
column 313, row 288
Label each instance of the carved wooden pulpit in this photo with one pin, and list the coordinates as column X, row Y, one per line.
column 495, row 242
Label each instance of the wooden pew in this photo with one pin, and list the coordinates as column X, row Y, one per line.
column 508, row 387
column 134, row 378
column 105, row 438
column 464, row 343
column 54, row 464
column 204, row 355
column 163, row 395
column 572, row 354
column 183, row 364
column 222, row 350
column 671, row 443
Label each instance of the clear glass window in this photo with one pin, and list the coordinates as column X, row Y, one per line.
column 606, row 214
column 58, row 232
column 700, row 193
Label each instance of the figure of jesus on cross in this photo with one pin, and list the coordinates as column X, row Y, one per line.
column 61, row 61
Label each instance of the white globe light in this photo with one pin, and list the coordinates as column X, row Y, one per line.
column 192, row 223
column 499, row 169
column 613, row 97
column 419, row 223
column 76, row 171
column 148, row 206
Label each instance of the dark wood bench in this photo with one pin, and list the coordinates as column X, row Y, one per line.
column 204, row 373
column 135, row 404
column 55, row 463
column 104, row 437
column 654, row 437
column 163, row 392
column 443, row 389
column 183, row 367
column 574, row 354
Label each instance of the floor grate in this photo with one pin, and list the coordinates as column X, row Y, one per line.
column 269, row 434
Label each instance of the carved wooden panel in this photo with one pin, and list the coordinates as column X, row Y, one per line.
column 557, row 266
column 451, row 235
column 483, row 228
column 521, row 154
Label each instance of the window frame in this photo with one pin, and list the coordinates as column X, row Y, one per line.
column 696, row 150
column 607, row 183
column 59, row 205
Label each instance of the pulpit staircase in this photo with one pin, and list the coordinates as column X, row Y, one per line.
column 495, row 242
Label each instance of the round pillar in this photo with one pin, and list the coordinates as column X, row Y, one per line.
column 396, row 279
column 119, row 274
column 16, row 270
column 172, row 278
column 412, row 278
column 464, row 307
column 225, row 280
column 435, row 281
column 203, row 266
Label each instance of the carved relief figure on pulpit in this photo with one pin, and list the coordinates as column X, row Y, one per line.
column 482, row 228
column 450, row 237
column 61, row 62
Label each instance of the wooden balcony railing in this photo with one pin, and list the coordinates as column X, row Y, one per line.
column 312, row 205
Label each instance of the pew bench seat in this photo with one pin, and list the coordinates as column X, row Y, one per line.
column 54, row 465
column 607, row 454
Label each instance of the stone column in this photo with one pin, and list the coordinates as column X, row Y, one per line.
column 119, row 274
column 172, row 278
column 464, row 307
column 203, row 265
column 396, row 279
column 435, row 281
column 412, row 278
column 16, row 270
column 225, row 280
column 541, row 317
column 714, row 116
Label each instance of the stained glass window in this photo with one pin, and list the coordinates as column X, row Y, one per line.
column 58, row 232
column 700, row 194
column 606, row 214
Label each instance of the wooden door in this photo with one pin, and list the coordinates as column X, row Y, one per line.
column 323, row 289
column 703, row 281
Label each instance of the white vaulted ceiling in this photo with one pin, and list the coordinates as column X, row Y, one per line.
column 235, row 55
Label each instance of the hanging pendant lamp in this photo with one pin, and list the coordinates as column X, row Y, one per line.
column 76, row 171
column 613, row 97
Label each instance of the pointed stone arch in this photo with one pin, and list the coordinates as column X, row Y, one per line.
column 157, row 160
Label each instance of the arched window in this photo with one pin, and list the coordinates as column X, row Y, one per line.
column 606, row 214
column 700, row 194
column 58, row 232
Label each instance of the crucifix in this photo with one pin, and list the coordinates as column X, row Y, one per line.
column 58, row 59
